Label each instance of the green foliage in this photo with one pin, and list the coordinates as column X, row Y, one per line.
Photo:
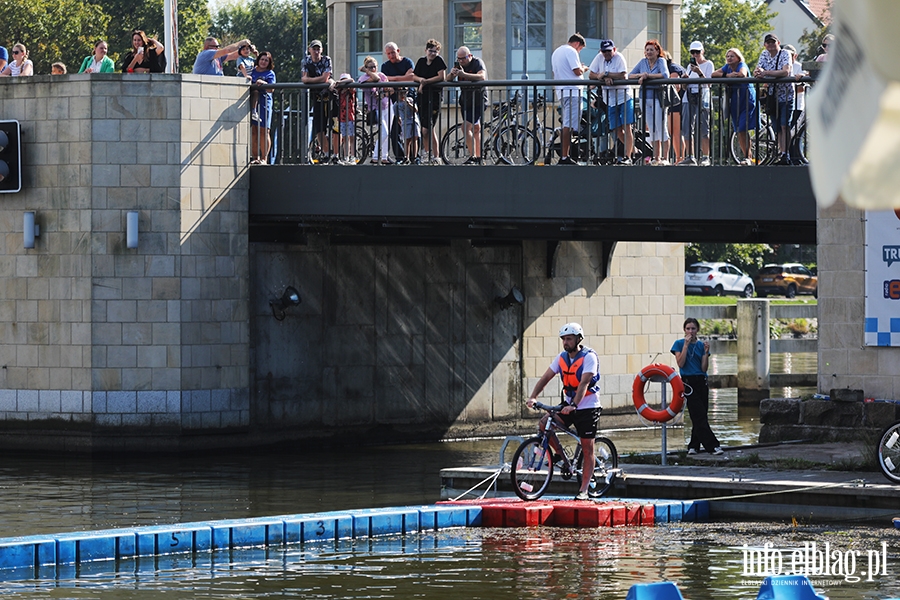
column 747, row 257
column 723, row 24
column 52, row 30
column 275, row 26
column 809, row 43
column 126, row 16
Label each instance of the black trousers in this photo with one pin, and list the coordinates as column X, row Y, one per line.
column 698, row 409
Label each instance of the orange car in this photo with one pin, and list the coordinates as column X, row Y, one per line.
column 788, row 279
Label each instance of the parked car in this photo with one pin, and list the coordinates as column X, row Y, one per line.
column 788, row 279
column 717, row 278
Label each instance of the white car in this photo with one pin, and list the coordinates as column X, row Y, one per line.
column 717, row 279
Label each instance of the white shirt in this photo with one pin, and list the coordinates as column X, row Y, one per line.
column 612, row 95
column 707, row 70
column 565, row 60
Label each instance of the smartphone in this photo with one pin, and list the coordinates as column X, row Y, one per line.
column 456, row 65
column 140, row 50
column 693, row 61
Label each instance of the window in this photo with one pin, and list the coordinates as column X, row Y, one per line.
column 367, row 32
column 532, row 26
column 590, row 19
column 656, row 25
column 466, row 22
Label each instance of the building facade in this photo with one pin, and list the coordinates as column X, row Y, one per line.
column 498, row 32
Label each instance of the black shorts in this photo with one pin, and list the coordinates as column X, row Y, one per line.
column 429, row 109
column 585, row 421
column 321, row 113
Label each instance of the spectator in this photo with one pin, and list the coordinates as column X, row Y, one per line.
column 407, row 112
column 567, row 64
column 316, row 68
column 209, row 60
column 654, row 66
column 263, row 73
column 609, row 66
column 695, row 108
column 674, row 97
column 244, row 62
column 378, row 102
column 471, row 99
column 776, row 62
column 98, row 62
column 827, row 41
column 430, row 69
column 692, row 357
column 58, row 68
column 4, row 57
column 800, row 89
column 347, row 119
column 146, row 56
column 396, row 68
column 741, row 101
column 20, row 65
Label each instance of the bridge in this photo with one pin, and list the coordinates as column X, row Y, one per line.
column 496, row 203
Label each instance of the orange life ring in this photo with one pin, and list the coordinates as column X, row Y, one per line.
column 637, row 391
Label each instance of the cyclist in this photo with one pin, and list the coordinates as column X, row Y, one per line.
column 579, row 368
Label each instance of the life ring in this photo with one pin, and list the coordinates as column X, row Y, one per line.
column 637, row 391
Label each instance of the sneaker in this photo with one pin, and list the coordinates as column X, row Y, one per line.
column 692, row 451
column 473, row 160
column 718, row 450
column 783, row 161
column 745, row 162
column 654, row 162
column 663, row 162
column 623, row 161
column 417, row 161
column 567, row 160
column 387, row 161
column 688, row 160
column 582, row 496
column 402, row 161
column 705, row 162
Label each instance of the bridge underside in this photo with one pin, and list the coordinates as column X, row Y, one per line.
column 502, row 204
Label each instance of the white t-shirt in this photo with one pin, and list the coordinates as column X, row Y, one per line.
column 707, row 70
column 591, row 364
column 565, row 60
column 799, row 96
column 612, row 95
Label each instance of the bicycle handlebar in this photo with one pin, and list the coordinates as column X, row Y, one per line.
column 550, row 409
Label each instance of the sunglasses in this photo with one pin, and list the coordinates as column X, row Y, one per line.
column 695, row 52
column 17, row 52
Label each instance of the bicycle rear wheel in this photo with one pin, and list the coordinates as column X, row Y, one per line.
column 531, row 470
column 606, row 460
column 889, row 453
column 516, row 145
column 453, row 145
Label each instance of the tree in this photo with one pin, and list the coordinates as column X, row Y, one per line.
column 126, row 16
column 275, row 26
column 724, row 24
column 747, row 257
column 52, row 30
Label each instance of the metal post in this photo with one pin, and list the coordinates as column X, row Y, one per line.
column 664, row 450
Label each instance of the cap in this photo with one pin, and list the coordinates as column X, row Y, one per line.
column 607, row 45
column 345, row 77
column 696, row 46
column 315, row 43
column 789, row 48
column 771, row 36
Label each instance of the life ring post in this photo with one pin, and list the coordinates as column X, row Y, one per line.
column 666, row 376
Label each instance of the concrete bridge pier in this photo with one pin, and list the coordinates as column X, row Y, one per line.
column 753, row 350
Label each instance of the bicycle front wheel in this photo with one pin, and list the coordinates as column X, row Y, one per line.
column 889, row 453
column 516, row 145
column 532, row 469
column 453, row 145
column 606, row 460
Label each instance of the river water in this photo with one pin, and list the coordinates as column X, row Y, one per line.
column 44, row 495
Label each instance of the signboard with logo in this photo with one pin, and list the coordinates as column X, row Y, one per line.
column 882, row 278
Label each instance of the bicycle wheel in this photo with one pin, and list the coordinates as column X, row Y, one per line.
column 453, row 145
column 889, row 453
column 606, row 459
column 364, row 145
column 531, row 470
column 767, row 145
column 516, row 145
column 316, row 155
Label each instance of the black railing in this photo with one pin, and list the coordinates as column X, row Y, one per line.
column 521, row 124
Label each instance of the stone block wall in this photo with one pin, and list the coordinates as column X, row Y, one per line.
column 94, row 333
column 785, row 419
column 844, row 362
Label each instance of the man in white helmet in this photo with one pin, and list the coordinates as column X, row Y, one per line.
column 579, row 369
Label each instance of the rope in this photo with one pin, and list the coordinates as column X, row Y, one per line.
column 490, row 479
column 772, row 493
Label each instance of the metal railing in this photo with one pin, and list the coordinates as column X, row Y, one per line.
column 521, row 124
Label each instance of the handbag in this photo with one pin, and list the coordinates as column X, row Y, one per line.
column 372, row 117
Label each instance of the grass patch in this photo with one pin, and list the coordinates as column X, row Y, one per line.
column 732, row 300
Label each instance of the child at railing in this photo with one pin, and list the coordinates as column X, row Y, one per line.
column 409, row 124
column 347, row 119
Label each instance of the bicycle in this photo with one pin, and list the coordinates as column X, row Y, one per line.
column 503, row 139
column 889, row 452
column 534, row 460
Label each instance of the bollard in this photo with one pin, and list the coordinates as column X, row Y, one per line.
column 753, row 350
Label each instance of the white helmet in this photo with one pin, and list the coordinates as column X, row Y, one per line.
column 571, row 329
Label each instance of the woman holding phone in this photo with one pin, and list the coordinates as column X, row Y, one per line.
column 692, row 357
column 146, row 56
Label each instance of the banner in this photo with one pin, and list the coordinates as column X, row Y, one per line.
column 882, row 278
